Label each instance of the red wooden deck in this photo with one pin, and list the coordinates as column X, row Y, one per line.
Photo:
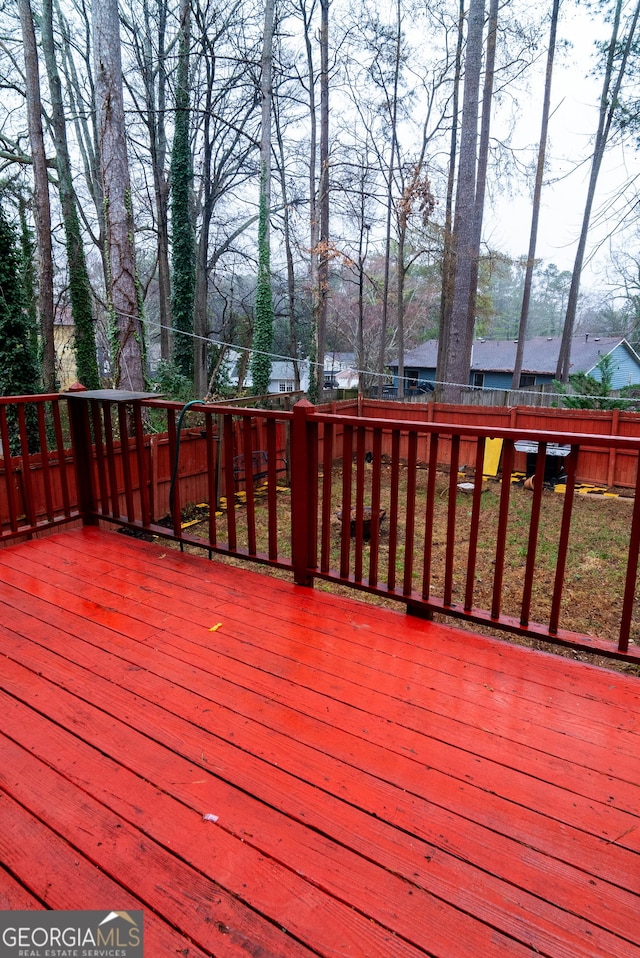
column 383, row 786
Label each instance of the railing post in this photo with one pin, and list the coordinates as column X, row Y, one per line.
column 302, row 515
column 82, row 455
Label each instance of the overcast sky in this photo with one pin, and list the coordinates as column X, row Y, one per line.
column 574, row 100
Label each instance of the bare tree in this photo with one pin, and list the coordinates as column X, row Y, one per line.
column 80, row 293
column 323, row 203
column 225, row 144
column 263, row 329
column 537, row 195
column 618, row 53
column 122, row 292
column 448, row 257
column 152, row 42
column 457, row 361
column 42, row 207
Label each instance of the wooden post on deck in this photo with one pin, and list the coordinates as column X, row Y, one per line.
column 303, row 517
column 82, row 455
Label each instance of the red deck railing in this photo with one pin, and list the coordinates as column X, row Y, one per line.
column 37, row 475
column 157, row 468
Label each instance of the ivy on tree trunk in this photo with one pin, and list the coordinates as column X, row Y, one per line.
column 183, row 248
column 263, row 332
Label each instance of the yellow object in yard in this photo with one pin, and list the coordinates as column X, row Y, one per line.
column 492, row 453
column 191, row 522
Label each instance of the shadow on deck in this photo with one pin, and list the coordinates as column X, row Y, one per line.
column 381, row 786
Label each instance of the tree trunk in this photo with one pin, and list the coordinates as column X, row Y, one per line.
column 263, row 331
column 153, row 69
column 457, row 360
column 323, row 198
column 314, row 224
column 608, row 106
column 122, row 290
column 266, row 98
column 382, row 358
column 291, row 275
column 86, row 129
column 42, row 208
column 483, row 160
column 448, row 253
column 186, row 349
column 80, row 292
column 537, row 194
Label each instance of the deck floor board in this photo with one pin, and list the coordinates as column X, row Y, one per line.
column 383, row 786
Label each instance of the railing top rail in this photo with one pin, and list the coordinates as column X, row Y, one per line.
column 490, row 431
column 219, row 410
column 35, row 398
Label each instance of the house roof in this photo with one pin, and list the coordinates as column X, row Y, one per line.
column 540, row 354
column 283, row 369
column 334, row 360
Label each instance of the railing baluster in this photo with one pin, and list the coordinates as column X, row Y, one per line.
column 312, row 492
column 213, row 456
column 429, row 515
column 327, row 483
column 27, row 485
column 452, row 505
column 534, row 525
column 632, row 569
column 111, row 458
column 44, row 461
column 126, row 460
column 376, row 476
column 175, row 504
column 272, row 491
column 62, row 459
column 393, row 509
column 474, row 525
column 570, row 466
column 503, row 520
column 96, row 421
column 347, row 468
column 143, row 472
column 8, row 469
column 229, row 453
column 412, row 462
column 250, row 512
column 359, row 538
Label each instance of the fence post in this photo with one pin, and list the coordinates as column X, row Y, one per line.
column 303, row 518
column 82, row 454
column 615, row 431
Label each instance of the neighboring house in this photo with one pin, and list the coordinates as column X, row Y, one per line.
column 492, row 362
column 283, row 379
column 335, row 363
column 64, row 345
column 347, row 379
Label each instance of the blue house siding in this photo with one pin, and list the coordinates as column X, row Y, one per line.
column 492, row 362
column 625, row 368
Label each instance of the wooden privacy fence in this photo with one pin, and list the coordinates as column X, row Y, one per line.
column 322, row 519
column 611, row 467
